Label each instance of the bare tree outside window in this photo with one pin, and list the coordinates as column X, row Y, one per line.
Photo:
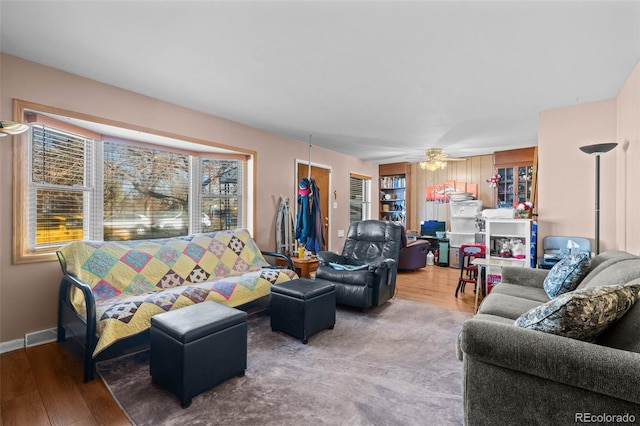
column 146, row 192
column 60, row 183
column 89, row 180
column 220, row 193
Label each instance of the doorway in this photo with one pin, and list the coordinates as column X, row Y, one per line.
column 322, row 175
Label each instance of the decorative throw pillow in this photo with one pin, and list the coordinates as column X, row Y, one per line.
column 566, row 274
column 582, row 314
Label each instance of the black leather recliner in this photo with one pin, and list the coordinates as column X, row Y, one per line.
column 365, row 273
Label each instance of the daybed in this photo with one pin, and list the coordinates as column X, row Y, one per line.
column 517, row 375
column 110, row 290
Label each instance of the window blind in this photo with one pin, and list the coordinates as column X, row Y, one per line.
column 359, row 198
column 61, row 184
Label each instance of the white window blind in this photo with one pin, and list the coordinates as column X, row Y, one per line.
column 359, row 198
column 81, row 188
column 61, row 185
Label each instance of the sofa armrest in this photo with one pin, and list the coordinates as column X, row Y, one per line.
column 576, row 363
column 281, row 256
column 69, row 317
column 524, row 276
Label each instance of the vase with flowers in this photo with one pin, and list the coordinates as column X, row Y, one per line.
column 524, row 209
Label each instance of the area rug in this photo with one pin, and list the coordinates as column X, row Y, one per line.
column 393, row 365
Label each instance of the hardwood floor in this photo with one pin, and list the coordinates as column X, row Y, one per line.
column 42, row 385
column 435, row 285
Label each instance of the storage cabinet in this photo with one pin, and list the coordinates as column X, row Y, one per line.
column 516, row 184
column 394, row 190
column 516, row 170
column 513, row 235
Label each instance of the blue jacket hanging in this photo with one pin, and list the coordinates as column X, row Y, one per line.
column 303, row 218
column 309, row 222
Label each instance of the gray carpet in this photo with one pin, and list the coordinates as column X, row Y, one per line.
column 394, row 365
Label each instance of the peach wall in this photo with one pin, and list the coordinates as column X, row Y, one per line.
column 566, row 175
column 477, row 169
column 628, row 159
column 28, row 293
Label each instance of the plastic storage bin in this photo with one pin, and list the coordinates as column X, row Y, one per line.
column 463, row 224
column 456, row 239
column 466, row 208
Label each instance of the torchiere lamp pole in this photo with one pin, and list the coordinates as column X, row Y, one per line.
column 596, row 150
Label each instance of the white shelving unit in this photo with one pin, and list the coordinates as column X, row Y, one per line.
column 497, row 230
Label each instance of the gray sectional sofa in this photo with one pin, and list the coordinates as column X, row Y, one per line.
column 515, row 375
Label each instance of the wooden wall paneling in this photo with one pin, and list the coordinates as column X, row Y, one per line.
column 485, row 192
column 407, row 193
column 534, row 178
column 514, row 156
column 392, row 169
column 477, row 169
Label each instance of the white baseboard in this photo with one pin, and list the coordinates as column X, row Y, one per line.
column 11, row 345
column 40, row 337
column 30, row 339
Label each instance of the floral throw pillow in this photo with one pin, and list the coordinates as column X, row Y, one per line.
column 566, row 274
column 582, row 314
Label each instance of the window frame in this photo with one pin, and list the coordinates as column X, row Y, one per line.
column 366, row 194
column 21, row 251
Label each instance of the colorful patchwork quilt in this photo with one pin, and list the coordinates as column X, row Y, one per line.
column 134, row 280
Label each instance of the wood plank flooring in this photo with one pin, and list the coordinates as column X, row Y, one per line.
column 42, row 385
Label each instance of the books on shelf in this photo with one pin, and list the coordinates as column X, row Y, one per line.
column 392, row 182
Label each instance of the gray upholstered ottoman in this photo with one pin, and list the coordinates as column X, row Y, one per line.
column 197, row 347
column 303, row 307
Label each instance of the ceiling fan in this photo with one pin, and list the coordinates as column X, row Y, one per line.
column 436, row 159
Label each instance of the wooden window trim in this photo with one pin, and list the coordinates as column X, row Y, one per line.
column 21, row 253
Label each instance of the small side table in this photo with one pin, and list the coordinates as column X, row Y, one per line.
column 482, row 263
column 304, row 266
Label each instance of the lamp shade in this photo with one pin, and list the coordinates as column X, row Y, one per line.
column 599, row 148
column 12, row 128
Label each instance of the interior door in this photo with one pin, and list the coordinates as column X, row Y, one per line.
column 321, row 176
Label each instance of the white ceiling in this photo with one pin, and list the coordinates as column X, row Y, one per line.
column 379, row 80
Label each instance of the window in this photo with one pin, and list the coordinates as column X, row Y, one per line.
column 221, row 183
column 83, row 184
column 146, row 192
column 359, row 197
column 61, row 185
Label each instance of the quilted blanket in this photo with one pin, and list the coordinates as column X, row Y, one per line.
column 133, row 280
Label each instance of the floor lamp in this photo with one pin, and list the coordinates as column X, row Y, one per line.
column 597, row 149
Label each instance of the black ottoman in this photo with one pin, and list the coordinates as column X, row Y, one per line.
column 303, row 307
column 197, row 347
